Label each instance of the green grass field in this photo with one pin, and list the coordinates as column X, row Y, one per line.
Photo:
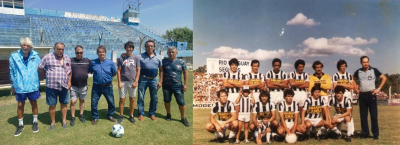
column 143, row 132
column 389, row 126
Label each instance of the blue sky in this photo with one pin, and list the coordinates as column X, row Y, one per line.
column 158, row 14
column 313, row 30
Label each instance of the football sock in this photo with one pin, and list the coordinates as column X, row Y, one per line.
column 349, row 129
column 35, row 118
column 268, row 137
column 337, row 131
column 232, row 134
column 21, row 121
column 323, row 130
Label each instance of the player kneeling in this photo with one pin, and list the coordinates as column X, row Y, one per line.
column 343, row 107
column 225, row 110
column 289, row 112
column 312, row 113
column 265, row 109
column 263, row 131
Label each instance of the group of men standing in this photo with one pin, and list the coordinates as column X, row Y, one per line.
column 63, row 74
column 276, row 82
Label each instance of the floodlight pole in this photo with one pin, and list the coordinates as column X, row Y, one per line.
column 141, row 42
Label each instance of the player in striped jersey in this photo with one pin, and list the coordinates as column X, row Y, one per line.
column 255, row 79
column 299, row 81
column 225, row 111
column 243, row 107
column 342, row 105
column 263, row 108
column 276, row 81
column 312, row 112
column 345, row 79
column 233, row 80
column 263, row 130
column 289, row 113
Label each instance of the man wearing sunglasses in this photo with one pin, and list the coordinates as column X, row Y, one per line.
column 80, row 68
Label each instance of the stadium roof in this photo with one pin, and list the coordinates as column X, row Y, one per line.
column 182, row 53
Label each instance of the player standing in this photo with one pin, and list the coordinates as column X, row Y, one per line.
column 299, row 82
column 233, row 80
column 255, row 80
column 276, row 81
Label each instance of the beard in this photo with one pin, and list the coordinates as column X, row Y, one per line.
column 25, row 51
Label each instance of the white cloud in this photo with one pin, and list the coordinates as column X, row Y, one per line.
column 239, row 53
column 301, row 19
column 323, row 47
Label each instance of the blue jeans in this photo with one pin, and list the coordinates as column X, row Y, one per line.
column 143, row 84
column 107, row 91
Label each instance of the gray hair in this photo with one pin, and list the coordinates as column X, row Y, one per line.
column 26, row 41
column 101, row 47
column 57, row 44
column 172, row 48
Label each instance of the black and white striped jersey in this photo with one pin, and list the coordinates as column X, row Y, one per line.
column 299, row 78
column 235, row 77
column 276, row 78
column 288, row 110
column 223, row 111
column 342, row 78
column 265, row 110
column 255, row 79
column 313, row 107
column 340, row 107
column 245, row 105
column 262, row 128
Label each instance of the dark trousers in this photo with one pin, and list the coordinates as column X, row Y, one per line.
column 368, row 101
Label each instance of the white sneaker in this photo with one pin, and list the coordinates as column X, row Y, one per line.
column 237, row 142
column 246, row 141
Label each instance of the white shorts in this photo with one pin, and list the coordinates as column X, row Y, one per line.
column 289, row 125
column 78, row 92
column 300, row 97
column 348, row 94
column 245, row 117
column 314, row 122
column 232, row 97
column 276, row 97
column 127, row 87
column 256, row 96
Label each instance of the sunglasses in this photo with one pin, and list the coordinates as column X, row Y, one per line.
column 78, row 52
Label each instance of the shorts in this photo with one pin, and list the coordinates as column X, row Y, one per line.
column 245, row 117
column 348, row 94
column 32, row 96
column 289, row 125
column 78, row 92
column 51, row 96
column 256, row 96
column 314, row 122
column 300, row 97
column 232, row 97
column 168, row 90
column 276, row 97
column 127, row 87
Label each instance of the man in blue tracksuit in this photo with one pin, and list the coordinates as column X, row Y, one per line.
column 25, row 81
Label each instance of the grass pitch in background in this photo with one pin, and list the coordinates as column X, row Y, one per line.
column 388, row 119
column 143, row 132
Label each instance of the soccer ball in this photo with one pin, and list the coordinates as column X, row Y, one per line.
column 291, row 138
column 118, row 130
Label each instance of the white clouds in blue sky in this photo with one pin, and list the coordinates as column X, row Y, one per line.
column 301, row 19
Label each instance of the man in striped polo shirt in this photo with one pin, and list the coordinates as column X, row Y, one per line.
column 225, row 110
column 344, row 79
column 367, row 76
column 255, row 80
column 151, row 65
column 233, row 80
column 276, row 80
column 299, row 81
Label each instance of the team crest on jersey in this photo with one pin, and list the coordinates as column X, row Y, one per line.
column 233, row 80
column 288, row 115
column 224, row 116
column 129, row 62
column 314, row 109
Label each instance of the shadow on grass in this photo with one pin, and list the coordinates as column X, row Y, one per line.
column 136, row 113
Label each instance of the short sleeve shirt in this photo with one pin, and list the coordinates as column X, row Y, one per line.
column 367, row 79
column 173, row 71
column 80, row 70
column 149, row 65
column 57, row 75
column 128, row 66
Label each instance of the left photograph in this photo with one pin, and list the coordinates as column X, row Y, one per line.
column 96, row 72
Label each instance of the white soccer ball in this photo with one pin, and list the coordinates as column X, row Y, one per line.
column 118, row 130
column 291, row 138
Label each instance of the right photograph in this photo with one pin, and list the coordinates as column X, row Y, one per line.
column 306, row 72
